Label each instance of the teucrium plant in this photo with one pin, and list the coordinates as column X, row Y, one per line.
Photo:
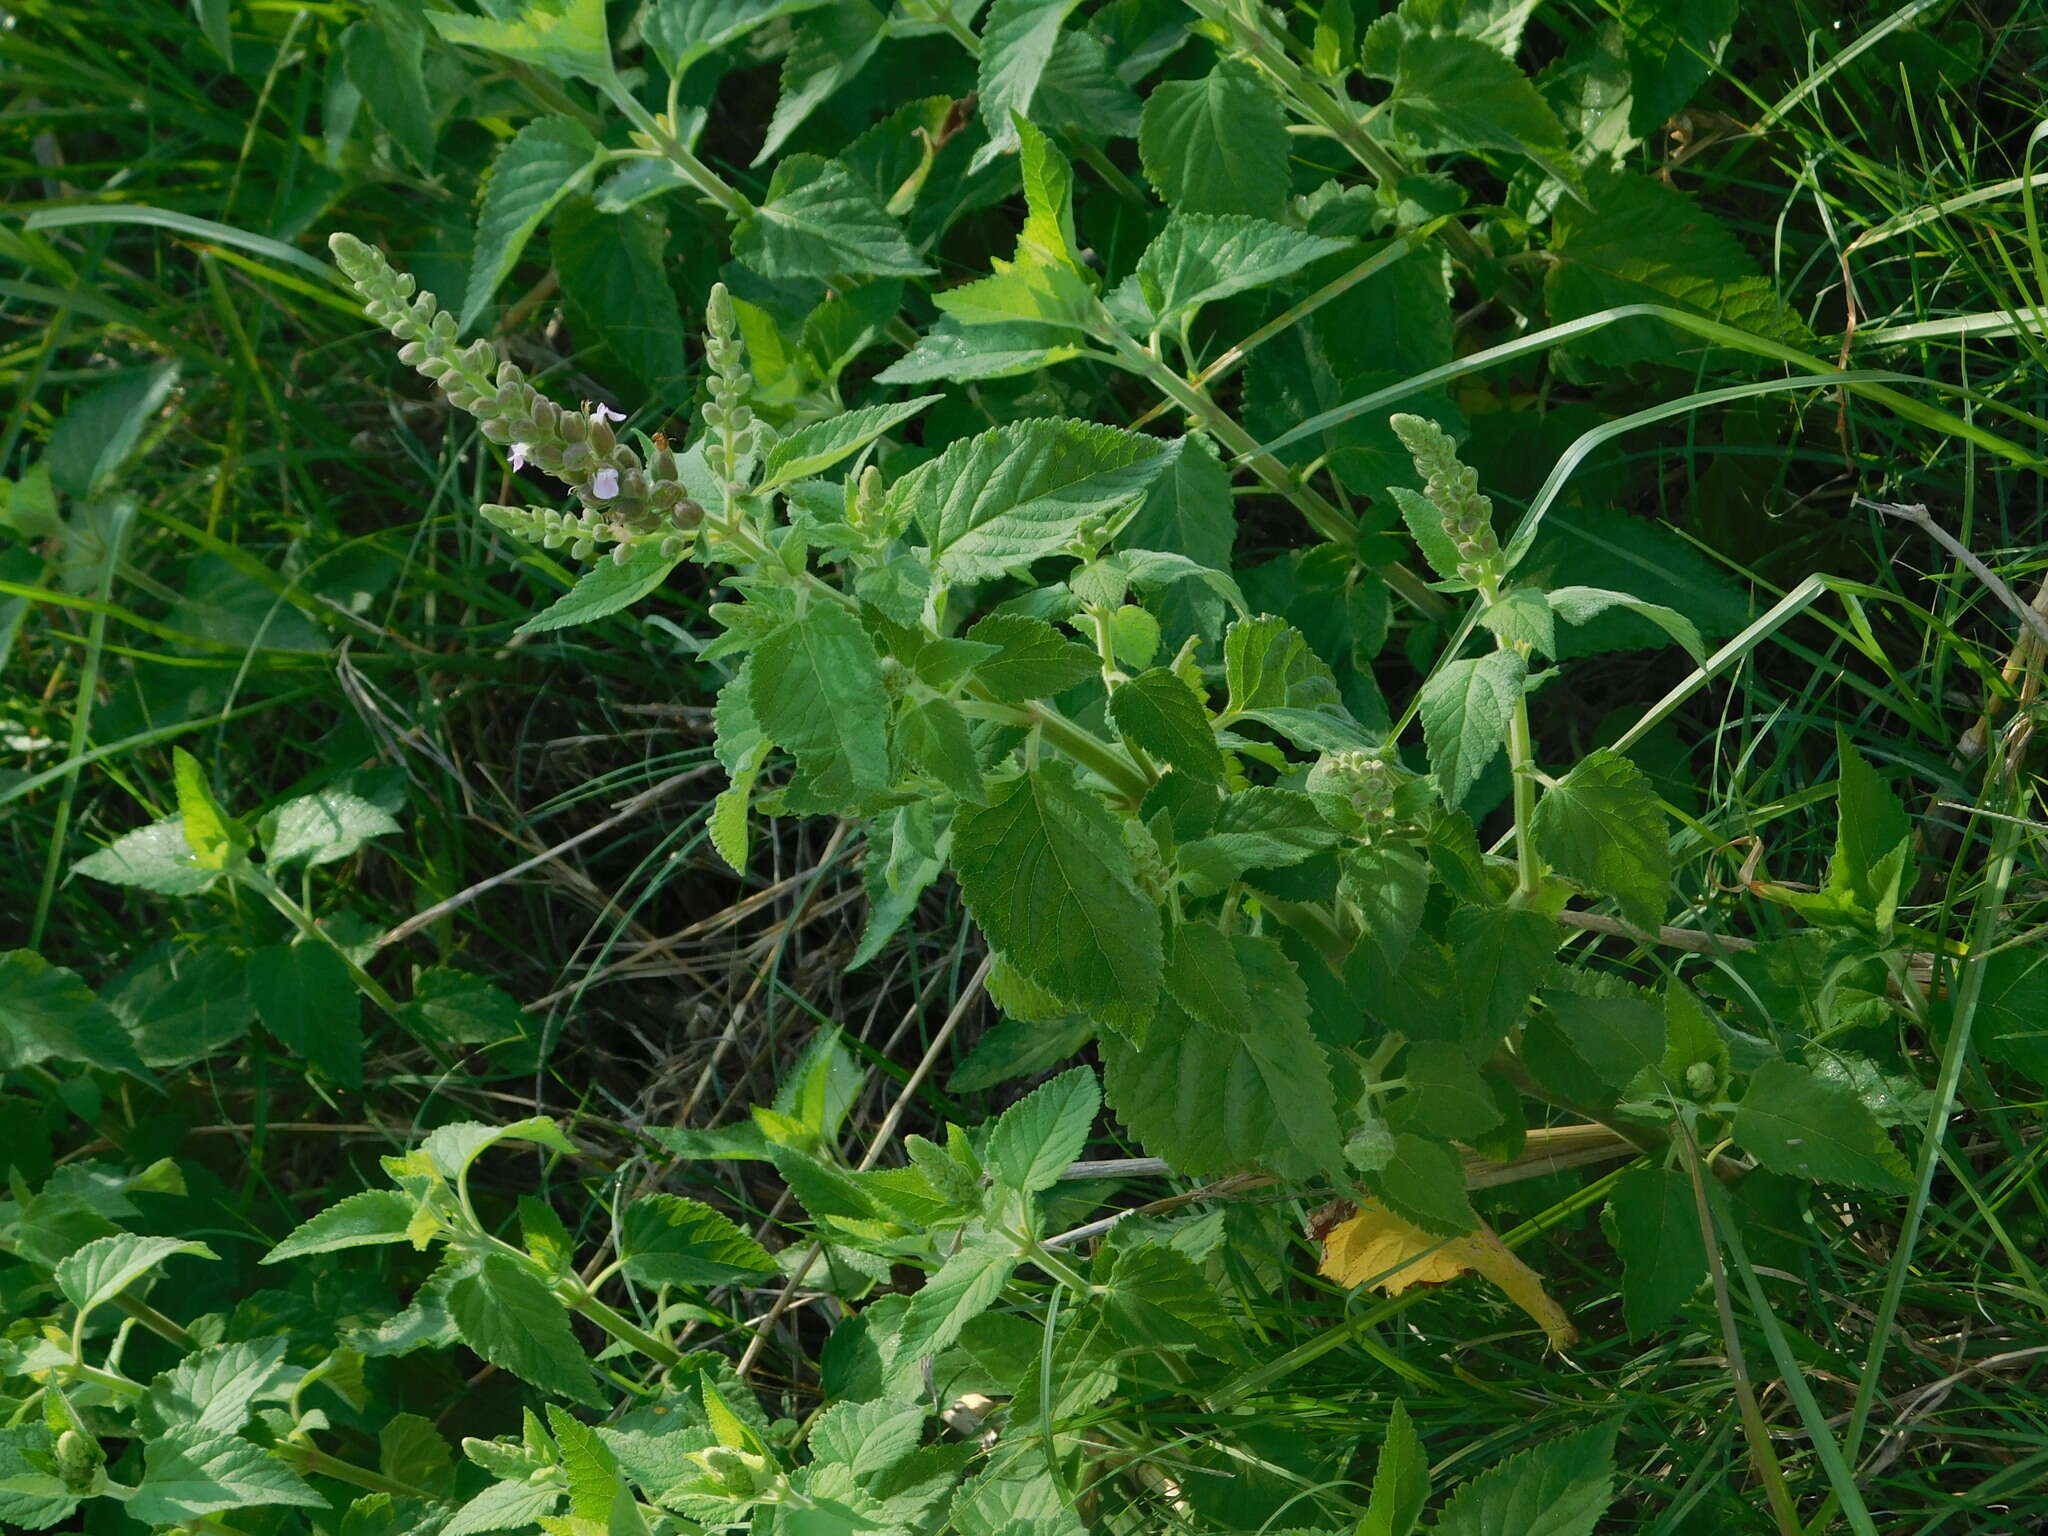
column 1288, row 943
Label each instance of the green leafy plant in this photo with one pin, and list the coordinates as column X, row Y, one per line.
column 1158, row 569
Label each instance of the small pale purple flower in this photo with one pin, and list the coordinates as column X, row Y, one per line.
column 604, row 485
column 519, row 452
column 603, row 412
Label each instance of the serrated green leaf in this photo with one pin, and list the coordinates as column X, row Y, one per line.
column 567, row 36
column 606, row 588
column 1581, row 605
column 1816, row 1128
column 615, row 283
column 47, row 1013
column 812, row 450
column 322, row 827
column 1267, row 664
column 964, row 1287
column 367, row 1217
column 1640, row 241
column 540, row 165
column 1466, row 708
column 1445, row 1096
column 1035, row 661
column 189, row 1474
column 152, row 858
column 868, row 1438
column 1502, row 955
column 1199, row 258
column 462, row 1009
column 828, row 50
column 1400, row 1480
column 1657, row 1231
column 305, row 997
column 452, row 1148
column 1523, row 616
column 1017, row 43
column 1671, row 49
column 1043, row 294
column 1264, row 827
column 668, row 1240
column 105, row 1267
column 817, row 691
column 1154, row 1297
column 1558, row 1489
column 1455, row 93
column 1045, row 872
column 1216, row 1101
column 1603, row 827
column 818, row 221
column 1218, row 144
column 933, row 735
column 1159, row 712
column 1188, row 511
column 1599, row 1044
column 214, row 1390
column 504, row 1313
column 504, row 1507
column 958, row 351
column 1206, row 978
column 1423, row 1182
column 382, row 60
column 994, row 502
column 1034, row 1140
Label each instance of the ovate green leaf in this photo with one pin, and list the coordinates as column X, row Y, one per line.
column 367, row 1217
column 1816, row 1128
column 1603, row 827
column 606, row 588
column 305, row 997
column 188, row 1474
column 1663, row 1256
column 1044, row 870
column 1159, row 712
column 105, row 1267
column 819, row 222
column 817, row 690
column 668, row 1240
column 47, row 1012
column 1218, row 144
column 539, row 166
column 1466, row 709
column 1558, row 1489
column 1017, row 43
column 504, row 1313
column 994, row 502
column 1035, row 1139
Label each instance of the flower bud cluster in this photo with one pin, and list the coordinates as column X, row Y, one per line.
column 1363, row 793
column 624, row 501
column 733, row 434
column 1453, row 489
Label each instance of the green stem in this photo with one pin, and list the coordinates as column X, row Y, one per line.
column 619, row 1326
column 309, row 1458
column 1327, row 519
column 695, row 171
column 1522, row 764
column 155, row 1321
column 1089, row 750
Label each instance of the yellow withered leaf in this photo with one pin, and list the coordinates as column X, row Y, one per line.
column 1374, row 1246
